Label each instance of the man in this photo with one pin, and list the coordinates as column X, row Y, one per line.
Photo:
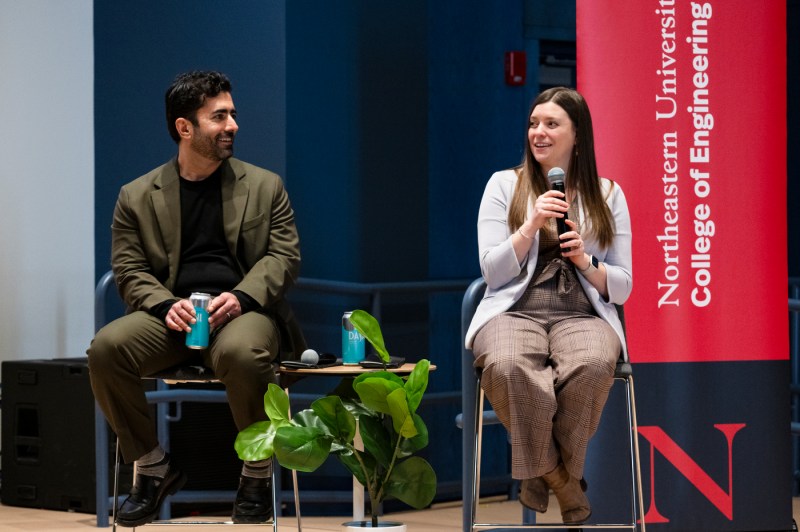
column 203, row 222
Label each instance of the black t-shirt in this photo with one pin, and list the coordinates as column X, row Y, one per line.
column 206, row 262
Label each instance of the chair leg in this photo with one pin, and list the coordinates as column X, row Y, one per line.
column 468, row 402
column 635, row 428
column 631, row 451
column 294, row 482
column 476, row 453
column 297, row 501
column 528, row 516
column 101, row 467
column 115, row 506
column 274, row 496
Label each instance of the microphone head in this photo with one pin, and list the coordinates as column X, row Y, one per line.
column 309, row 356
column 555, row 175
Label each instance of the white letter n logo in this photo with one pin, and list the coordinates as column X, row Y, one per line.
column 688, row 468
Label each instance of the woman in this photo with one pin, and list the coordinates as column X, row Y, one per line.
column 546, row 334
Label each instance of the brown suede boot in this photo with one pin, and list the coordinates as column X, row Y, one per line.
column 574, row 505
column 534, row 494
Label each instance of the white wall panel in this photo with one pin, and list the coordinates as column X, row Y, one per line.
column 46, row 178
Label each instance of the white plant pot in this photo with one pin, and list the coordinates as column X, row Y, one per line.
column 383, row 526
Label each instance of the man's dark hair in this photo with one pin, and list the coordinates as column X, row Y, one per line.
column 188, row 93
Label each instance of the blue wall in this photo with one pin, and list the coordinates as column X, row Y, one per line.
column 140, row 47
column 357, row 107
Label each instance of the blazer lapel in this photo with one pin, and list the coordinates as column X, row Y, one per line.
column 166, row 200
column 234, row 199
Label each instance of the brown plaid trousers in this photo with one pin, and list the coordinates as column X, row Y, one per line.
column 548, row 365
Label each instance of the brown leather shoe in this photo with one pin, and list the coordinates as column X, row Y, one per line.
column 534, row 494
column 575, row 508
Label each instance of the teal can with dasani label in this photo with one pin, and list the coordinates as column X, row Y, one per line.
column 353, row 343
column 197, row 338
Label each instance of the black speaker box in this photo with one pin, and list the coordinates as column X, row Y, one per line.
column 48, row 456
column 48, row 442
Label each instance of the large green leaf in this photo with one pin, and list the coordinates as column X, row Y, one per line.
column 309, row 418
column 369, row 328
column 255, row 442
column 417, row 383
column 301, row 448
column 414, row 444
column 381, row 374
column 377, row 440
column 374, row 390
column 276, row 403
column 402, row 418
column 413, row 481
column 335, row 416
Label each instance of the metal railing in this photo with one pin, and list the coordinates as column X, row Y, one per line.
column 375, row 291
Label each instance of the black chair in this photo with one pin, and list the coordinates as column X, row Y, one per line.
column 474, row 417
column 164, row 397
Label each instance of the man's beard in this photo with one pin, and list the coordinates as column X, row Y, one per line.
column 209, row 148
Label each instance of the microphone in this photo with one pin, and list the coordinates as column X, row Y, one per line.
column 310, row 356
column 556, row 178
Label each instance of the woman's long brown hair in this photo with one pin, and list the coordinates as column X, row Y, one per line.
column 582, row 176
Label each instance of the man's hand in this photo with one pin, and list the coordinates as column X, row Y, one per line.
column 181, row 316
column 223, row 309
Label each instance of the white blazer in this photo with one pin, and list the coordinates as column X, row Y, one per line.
column 506, row 279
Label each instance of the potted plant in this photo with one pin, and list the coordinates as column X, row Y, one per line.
column 381, row 406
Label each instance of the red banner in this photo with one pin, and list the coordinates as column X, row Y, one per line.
column 688, row 101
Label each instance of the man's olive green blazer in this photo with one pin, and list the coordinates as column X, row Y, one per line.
column 259, row 228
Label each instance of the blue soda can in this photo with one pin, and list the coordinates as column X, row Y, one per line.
column 353, row 343
column 198, row 337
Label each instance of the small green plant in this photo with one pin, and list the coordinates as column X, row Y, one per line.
column 384, row 411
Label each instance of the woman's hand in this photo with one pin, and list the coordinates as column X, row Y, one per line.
column 572, row 241
column 572, row 246
column 551, row 204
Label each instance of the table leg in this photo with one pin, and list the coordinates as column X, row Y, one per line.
column 358, row 489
